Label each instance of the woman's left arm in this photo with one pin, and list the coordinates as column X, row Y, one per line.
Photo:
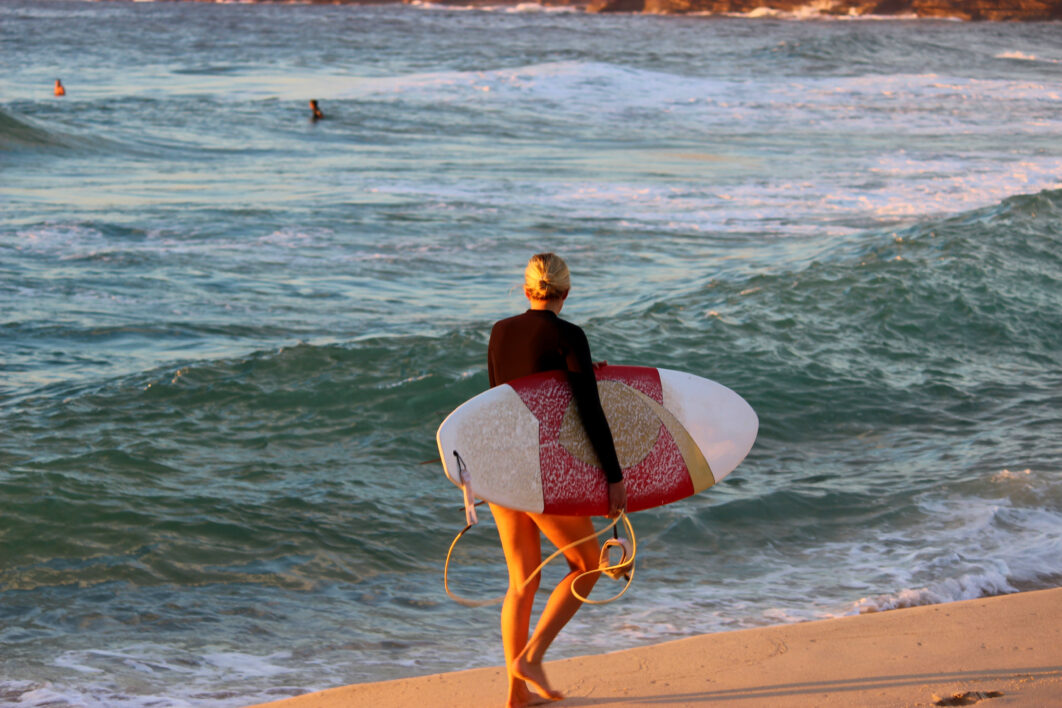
column 584, row 389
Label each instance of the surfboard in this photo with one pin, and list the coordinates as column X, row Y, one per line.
column 522, row 445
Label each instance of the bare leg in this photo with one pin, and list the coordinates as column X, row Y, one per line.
column 562, row 605
column 523, row 552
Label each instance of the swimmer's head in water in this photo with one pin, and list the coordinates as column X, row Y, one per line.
column 547, row 277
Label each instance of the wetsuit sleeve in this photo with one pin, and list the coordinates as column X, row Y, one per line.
column 490, row 360
column 584, row 389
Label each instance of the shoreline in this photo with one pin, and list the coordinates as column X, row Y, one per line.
column 1006, row 649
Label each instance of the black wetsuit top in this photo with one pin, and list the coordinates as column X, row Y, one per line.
column 538, row 341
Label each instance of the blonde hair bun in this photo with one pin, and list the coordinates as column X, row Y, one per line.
column 547, row 277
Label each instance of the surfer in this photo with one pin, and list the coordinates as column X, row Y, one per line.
column 315, row 111
column 539, row 340
column 59, row 89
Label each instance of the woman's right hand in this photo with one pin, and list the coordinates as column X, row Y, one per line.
column 617, row 498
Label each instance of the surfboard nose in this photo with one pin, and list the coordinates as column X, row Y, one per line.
column 721, row 422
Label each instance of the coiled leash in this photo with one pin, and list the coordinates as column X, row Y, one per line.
column 624, row 568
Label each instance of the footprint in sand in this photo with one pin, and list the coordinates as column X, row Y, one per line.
column 965, row 698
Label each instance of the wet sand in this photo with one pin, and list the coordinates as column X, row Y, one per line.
column 997, row 651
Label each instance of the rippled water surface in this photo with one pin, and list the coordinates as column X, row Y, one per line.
column 228, row 334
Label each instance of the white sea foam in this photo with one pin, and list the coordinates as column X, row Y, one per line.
column 976, row 547
column 1022, row 56
column 967, row 587
column 568, row 86
column 523, row 7
column 816, row 10
column 28, row 693
column 76, row 241
column 405, row 381
column 249, row 664
column 746, row 190
column 65, row 240
column 107, row 679
column 907, row 187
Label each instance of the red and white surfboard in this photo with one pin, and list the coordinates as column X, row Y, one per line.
column 522, row 445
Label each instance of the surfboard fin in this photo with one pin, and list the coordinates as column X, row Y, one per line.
column 466, row 489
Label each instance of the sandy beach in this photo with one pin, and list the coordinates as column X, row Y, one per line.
column 1005, row 650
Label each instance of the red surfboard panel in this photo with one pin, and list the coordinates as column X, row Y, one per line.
column 573, row 487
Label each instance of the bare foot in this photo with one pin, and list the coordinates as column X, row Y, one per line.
column 523, row 697
column 535, row 676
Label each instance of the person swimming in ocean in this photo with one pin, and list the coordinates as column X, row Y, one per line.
column 316, row 114
column 60, row 90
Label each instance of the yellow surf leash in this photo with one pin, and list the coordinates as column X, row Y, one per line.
column 624, row 568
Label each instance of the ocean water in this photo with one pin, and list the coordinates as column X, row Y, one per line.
column 228, row 334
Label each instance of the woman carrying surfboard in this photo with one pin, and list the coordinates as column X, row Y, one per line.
column 536, row 341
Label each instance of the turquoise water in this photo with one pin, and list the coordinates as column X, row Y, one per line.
column 229, row 334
